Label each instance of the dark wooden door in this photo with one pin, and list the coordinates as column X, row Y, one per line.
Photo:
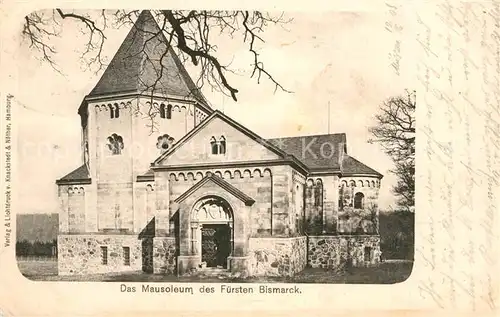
column 208, row 246
column 223, row 240
column 215, row 245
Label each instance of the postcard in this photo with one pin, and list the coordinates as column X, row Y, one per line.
column 211, row 160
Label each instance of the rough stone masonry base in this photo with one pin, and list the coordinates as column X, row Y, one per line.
column 82, row 254
column 336, row 251
column 164, row 255
column 276, row 256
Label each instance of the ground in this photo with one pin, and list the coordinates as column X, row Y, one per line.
column 392, row 271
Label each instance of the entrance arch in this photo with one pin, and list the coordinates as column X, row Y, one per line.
column 211, row 222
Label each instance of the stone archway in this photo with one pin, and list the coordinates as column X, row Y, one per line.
column 211, row 222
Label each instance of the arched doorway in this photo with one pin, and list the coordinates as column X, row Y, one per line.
column 212, row 231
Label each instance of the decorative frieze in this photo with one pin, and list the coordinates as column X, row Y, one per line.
column 224, row 173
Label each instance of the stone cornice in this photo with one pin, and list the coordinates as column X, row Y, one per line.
column 134, row 94
column 185, row 167
column 100, row 233
column 86, row 181
column 361, row 175
column 325, row 172
column 221, row 183
column 145, row 178
column 296, row 176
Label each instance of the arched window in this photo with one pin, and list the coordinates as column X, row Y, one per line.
column 115, row 144
column 162, row 111
column 213, row 146
column 222, row 145
column 86, row 152
column 373, row 183
column 169, row 111
column 117, row 111
column 318, row 193
column 353, row 184
column 359, row 200
column 111, row 111
column 297, row 198
column 368, row 254
column 341, row 197
column 218, row 147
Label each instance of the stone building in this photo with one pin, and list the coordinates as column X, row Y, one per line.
column 169, row 185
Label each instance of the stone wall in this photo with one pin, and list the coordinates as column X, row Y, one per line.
column 339, row 251
column 140, row 142
column 239, row 146
column 277, row 256
column 358, row 221
column 321, row 199
column 115, row 206
column 353, row 218
column 112, row 206
column 282, row 211
column 164, row 255
column 144, row 205
column 297, row 204
column 146, row 140
column 81, row 254
column 254, row 182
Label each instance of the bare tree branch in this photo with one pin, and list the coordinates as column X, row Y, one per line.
column 93, row 30
column 37, row 31
column 190, row 32
column 395, row 131
column 196, row 54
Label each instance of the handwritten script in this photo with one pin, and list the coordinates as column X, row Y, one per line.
column 458, row 73
column 395, row 27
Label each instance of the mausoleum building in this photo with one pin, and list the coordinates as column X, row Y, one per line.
column 168, row 185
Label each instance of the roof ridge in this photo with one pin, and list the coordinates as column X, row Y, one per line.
column 304, row 136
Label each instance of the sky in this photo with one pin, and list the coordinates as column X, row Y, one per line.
column 341, row 59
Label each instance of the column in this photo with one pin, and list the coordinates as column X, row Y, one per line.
column 330, row 205
column 231, row 238
column 194, row 238
column 162, row 215
column 63, row 209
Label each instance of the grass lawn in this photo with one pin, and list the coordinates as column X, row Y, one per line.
column 37, row 268
column 386, row 273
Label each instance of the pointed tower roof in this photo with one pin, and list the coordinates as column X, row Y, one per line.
column 145, row 62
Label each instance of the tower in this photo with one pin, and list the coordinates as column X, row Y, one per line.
column 143, row 103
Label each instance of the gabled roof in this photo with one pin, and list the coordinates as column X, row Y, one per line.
column 79, row 176
column 351, row 166
column 234, row 124
column 315, row 151
column 146, row 59
column 221, row 183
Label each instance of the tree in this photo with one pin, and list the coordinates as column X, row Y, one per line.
column 190, row 32
column 395, row 131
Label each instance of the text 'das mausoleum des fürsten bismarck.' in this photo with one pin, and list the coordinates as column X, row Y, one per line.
column 207, row 289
